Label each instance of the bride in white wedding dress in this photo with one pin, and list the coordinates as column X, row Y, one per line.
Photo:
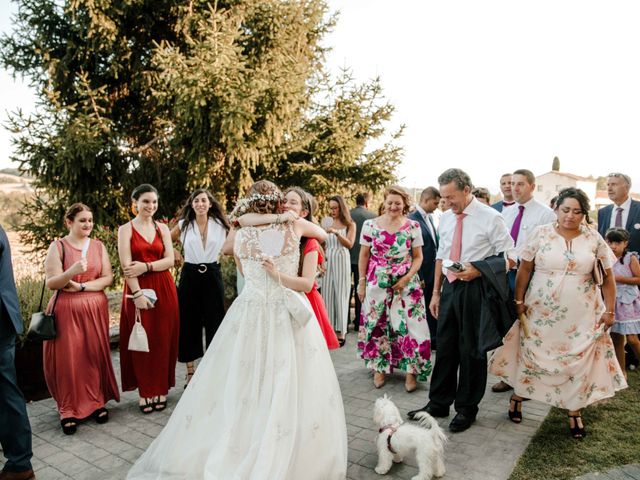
column 264, row 403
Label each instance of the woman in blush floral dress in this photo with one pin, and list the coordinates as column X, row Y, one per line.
column 393, row 326
column 565, row 356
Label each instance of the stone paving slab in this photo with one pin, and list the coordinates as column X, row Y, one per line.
column 627, row 472
column 487, row 451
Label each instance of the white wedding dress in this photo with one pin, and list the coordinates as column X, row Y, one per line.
column 264, row 403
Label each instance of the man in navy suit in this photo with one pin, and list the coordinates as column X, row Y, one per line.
column 507, row 195
column 429, row 200
column 15, row 431
column 624, row 213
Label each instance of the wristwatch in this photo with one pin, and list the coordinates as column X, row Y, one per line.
column 82, row 287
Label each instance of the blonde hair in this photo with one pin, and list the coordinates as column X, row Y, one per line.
column 397, row 190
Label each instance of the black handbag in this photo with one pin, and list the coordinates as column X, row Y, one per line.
column 43, row 325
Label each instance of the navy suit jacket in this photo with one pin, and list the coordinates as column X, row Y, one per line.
column 499, row 206
column 429, row 249
column 8, row 294
column 604, row 222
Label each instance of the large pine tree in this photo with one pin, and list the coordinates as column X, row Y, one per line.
column 183, row 94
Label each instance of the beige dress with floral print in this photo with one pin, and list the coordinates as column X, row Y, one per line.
column 567, row 361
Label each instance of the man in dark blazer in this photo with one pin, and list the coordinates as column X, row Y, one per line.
column 359, row 215
column 507, row 195
column 15, row 431
column 429, row 199
column 623, row 213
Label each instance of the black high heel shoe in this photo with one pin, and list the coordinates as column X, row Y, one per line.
column 147, row 407
column 159, row 405
column 190, row 371
column 69, row 425
column 577, row 431
column 516, row 415
column 101, row 415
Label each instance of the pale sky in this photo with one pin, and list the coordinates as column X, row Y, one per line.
column 487, row 86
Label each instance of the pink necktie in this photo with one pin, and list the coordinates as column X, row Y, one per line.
column 456, row 245
column 515, row 229
column 618, row 223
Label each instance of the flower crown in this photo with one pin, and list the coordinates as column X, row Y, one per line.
column 244, row 203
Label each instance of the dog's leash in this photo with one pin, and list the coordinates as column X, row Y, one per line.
column 394, row 429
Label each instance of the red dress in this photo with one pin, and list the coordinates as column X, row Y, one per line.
column 152, row 373
column 317, row 303
column 77, row 364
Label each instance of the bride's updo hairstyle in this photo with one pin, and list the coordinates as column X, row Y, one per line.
column 264, row 197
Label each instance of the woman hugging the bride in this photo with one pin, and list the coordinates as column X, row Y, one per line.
column 264, row 402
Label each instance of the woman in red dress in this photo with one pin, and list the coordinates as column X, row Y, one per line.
column 146, row 255
column 77, row 363
column 298, row 202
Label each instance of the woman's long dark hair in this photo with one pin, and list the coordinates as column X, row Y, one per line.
column 345, row 215
column 188, row 214
column 307, row 204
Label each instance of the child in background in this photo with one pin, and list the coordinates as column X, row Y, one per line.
column 627, row 274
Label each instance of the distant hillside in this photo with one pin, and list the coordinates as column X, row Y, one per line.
column 15, row 172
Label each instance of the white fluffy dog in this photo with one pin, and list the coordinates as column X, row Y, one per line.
column 398, row 439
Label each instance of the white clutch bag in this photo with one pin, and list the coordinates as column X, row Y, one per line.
column 138, row 341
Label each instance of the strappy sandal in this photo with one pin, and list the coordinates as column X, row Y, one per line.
column 190, row 371
column 101, row 415
column 147, row 407
column 69, row 425
column 576, row 431
column 515, row 415
column 159, row 405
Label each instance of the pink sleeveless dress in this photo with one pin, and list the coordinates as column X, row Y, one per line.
column 77, row 363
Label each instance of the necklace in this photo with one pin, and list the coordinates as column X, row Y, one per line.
column 203, row 230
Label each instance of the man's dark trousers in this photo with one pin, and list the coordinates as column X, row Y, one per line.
column 15, row 431
column 457, row 348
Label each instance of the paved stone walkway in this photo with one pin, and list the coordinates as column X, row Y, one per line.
column 628, row 472
column 487, row 451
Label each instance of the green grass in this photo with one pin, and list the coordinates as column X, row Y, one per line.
column 613, row 439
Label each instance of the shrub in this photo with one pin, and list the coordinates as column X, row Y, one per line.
column 229, row 276
column 29, row 291
column 109, row 237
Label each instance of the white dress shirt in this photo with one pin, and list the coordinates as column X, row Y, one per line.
column 625, row 213
column 428, row 219
column 194, row 251
column 534, row 215
column 484, row 233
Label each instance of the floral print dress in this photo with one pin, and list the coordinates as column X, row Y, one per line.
column 393, row 326
column 567, row 361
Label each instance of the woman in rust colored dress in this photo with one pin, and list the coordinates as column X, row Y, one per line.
column 146, row 255
column 77, row 363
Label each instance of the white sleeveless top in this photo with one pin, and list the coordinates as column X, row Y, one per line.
column 194, row 252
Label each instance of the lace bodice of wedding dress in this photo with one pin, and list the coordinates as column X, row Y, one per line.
column 253, row 244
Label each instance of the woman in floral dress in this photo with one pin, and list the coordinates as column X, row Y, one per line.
column 393, row 326
column 564, row 356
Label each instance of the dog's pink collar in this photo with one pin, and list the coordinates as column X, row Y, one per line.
column 393, row 429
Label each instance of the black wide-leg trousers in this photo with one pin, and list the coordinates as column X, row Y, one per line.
column 457, row 350
column 201, row 297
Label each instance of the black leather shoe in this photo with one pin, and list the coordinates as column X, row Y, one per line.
column 431, row 410
column 460, row 423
